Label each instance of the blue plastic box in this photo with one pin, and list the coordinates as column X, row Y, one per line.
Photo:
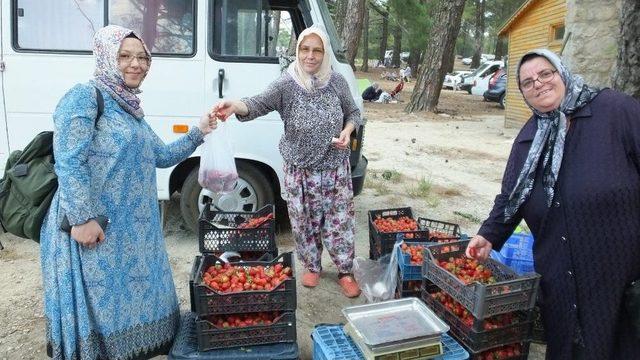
column 517, row 253
column 185, row 347
column 331, row 343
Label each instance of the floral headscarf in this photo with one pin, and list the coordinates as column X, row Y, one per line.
column 321, row 78
column 548, row 143
column 107, row 76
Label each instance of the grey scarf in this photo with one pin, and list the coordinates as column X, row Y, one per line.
column 548, row 142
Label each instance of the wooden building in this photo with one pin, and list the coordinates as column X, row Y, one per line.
column 536, row 24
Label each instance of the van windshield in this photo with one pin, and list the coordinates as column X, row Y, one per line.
column 336, row 43
column 480, row 70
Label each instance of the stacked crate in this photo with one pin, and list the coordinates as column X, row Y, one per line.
column 490, row 320
column 264, row 312
column 381, row 242
column 410, row 270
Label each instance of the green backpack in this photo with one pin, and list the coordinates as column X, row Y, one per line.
column 29, row 183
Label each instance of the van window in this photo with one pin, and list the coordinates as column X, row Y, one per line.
column 251, row 29
column 68, row 25
column 56, row 25
column 167, row 27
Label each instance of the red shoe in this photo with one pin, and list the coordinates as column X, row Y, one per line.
column 310, row 279
column 349, row 286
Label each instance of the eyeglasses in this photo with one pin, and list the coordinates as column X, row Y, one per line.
column 544, row 77
column 128, row 59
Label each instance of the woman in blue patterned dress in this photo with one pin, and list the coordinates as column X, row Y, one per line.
column 110, row 295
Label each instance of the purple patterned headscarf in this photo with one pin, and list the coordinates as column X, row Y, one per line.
column 108, row 77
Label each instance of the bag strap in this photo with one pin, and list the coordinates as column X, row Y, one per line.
column 100, row 101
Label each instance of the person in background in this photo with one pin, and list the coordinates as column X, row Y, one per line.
column 109, row 293
column 372, row 93
column 319, row 115
column 406, row 74
column 574, row 176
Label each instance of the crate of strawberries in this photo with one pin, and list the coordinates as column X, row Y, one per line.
column 478, row 334
column 242, row 287
column 484, row 288
column 247, row 329
column 440, row 231
column 243, row 232
column 410, row 258
column 388, row 225
column 515, row 351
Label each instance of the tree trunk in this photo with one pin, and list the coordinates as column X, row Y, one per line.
column 414, row 60
column 501, row 47
column 478, row 36
column 341, row 10
column 150, row 23
column 274, row 30
column 627, row 75
column 397, row 46
column 291, row 51
column 352, row 28
column 365, row 41
column 384, row 37
column 440, row 47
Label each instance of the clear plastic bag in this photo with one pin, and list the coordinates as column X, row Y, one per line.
column 377, row 278
column 217, row 166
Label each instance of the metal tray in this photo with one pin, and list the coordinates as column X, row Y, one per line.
column 394, row 321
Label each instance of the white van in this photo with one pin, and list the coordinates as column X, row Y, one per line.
column 478, row 81
column 204, row 51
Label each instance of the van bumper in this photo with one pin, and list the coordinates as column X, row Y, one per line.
column 357, row 175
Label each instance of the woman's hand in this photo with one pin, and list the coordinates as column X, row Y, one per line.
column 226, row 108
column 87, row 234
column 342, row 142
column 208, row 122
column 479, row 248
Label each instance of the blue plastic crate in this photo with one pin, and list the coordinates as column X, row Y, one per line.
column 408, row 271
column 331, row 343
column 517, row 253
column 519, row 246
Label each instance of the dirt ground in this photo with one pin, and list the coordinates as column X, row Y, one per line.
column 446, row 166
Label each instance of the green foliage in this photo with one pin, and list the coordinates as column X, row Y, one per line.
column 415, row 20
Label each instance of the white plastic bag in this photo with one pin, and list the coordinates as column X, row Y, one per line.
column 377, row 278
column 217, row 166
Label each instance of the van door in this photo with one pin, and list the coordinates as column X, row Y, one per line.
column 4, row 139
column 247, row 41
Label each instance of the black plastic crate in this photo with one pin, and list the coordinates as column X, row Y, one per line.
column 440, row 231
column 511, row 292
column 482, row 355
column 407, row 288
column 210, row 337
column 381, row 243
column 220, row 231
column 475, row 335
column 538, row 333
column 210, row 302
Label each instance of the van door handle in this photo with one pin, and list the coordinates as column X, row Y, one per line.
column 220, row 81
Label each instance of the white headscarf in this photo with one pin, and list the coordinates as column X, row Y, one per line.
column 320, row 79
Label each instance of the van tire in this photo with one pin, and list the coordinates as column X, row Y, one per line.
column 502, row 100
column 254, row 182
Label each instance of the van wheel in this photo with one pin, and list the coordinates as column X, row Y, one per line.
column 252, row 192
column 502, row 101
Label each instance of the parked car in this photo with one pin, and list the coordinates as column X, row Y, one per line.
column 480, row 77
column 466, row 61
column 454, row 79
column 498, row 90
